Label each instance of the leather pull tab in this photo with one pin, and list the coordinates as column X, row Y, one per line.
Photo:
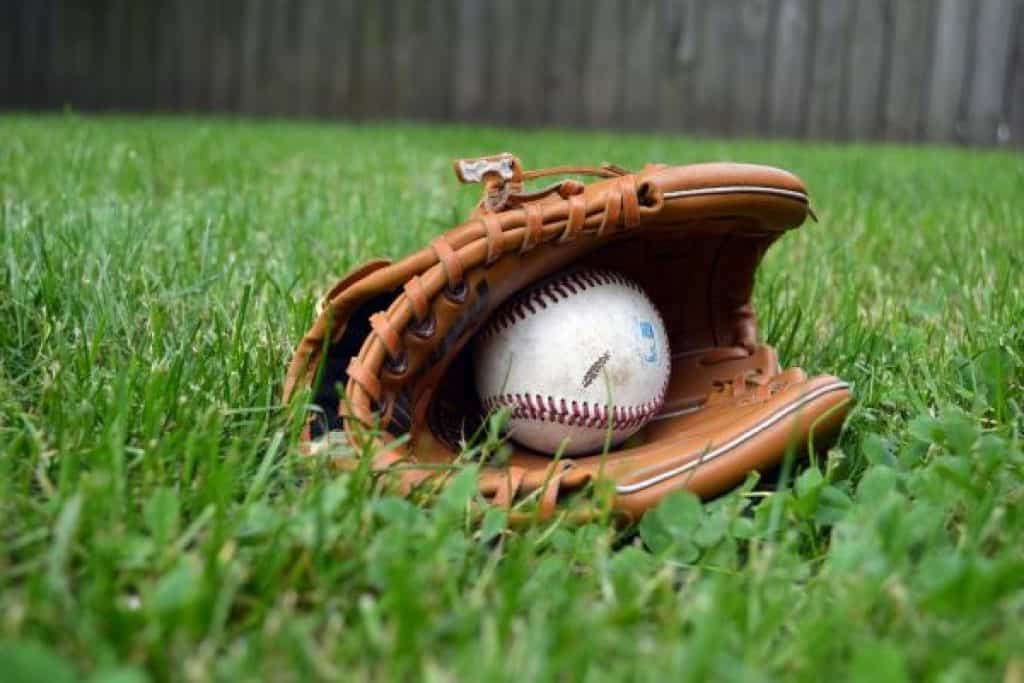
column 500, row 174
column 504, row 167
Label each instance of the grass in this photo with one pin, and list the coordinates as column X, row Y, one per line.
column 157, row 524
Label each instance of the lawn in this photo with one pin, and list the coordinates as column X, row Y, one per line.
column 159, row 524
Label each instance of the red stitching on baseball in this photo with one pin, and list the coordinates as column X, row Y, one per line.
column 573, row 413
column 551, row 292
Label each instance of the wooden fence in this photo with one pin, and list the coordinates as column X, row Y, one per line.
column 939, row 70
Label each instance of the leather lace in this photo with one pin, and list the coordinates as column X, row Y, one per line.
column 602, row 171
column 510, row 486
column 502, row 193
column 508, row 489
column 755, row 382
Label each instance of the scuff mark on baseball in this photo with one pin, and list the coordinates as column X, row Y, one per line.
column 595, row 369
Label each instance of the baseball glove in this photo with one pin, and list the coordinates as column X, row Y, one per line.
column 384, row 358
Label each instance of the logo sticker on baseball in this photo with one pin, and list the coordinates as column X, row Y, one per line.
column 646, row 330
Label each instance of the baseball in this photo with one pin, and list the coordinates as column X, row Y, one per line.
column 573, row 356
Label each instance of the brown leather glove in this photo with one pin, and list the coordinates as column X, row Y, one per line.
column 391, row 334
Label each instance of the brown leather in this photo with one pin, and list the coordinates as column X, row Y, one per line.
column 692, row 236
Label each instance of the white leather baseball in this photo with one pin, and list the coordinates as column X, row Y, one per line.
column 571, row 355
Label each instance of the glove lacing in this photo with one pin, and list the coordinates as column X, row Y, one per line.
column 751, row 380
column 504, row 189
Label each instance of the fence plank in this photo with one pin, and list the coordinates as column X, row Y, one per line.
column 410, row 43
column 793, row 51
column 308, row 47
column 344, row 44
column 535, row 37
column 190, row 45
column 563, row 104
column 23, row 18
column 753, row 66
column 338, row 64
column 641, row 68
column 684, row 40
column 18, row 14
column 602, row 84
column 48, row 24
column 985, row 113
column 828, row 79
column 167, row 57
column 36, row 55
column 421, row 59
column 505, row 98
column 71, row 37
column 280, row 59
column 271, row 56
column 225, row 55
column 519, row 33
column 469, row 89
column 56, row 62
column 440, row 17
column 221, row 60
column 137, row 50
column 109, row 57
column 10, row 49
column 272, row 91
column 154, row 33
column 1015, row 83
column 908, row 70
column 949, row 69
column 250, row 78
column 89, row 60
column 117, row 57
column 76, row 53
column 866, row 57
column 374, row 92
column 715, row 71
